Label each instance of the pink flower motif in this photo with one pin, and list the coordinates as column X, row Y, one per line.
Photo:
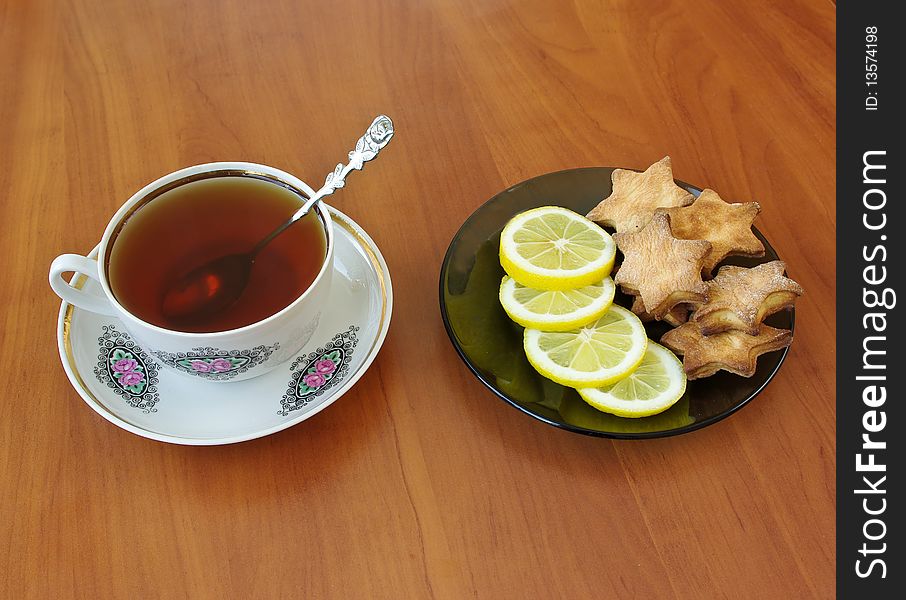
column 131, row 378
column 221, row 365
column 314, row 380
column 124, row 365
column 325, row 366
column 201, row 366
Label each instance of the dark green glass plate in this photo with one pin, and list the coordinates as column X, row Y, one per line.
column 491, row 344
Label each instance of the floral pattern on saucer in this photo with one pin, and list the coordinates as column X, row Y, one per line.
column 216, row 364
column 125, row 368
column 315, row 372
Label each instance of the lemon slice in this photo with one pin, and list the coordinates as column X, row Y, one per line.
column 597, row 354
column 553, row 248
column 655, row 385
column 550, row 310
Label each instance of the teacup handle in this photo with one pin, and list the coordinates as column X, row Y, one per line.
column 85, row 300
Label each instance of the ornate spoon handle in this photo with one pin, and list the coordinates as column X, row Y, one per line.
column 368, row 146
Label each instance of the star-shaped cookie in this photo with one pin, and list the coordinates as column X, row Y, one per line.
column 727, row 226
column 676, row 316
column 740, row 298
column 733, row 351
column 636, row 196
column 659, row 268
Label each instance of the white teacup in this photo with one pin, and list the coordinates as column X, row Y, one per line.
column 221, row 356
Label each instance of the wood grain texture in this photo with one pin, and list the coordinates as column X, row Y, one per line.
column 418, row 483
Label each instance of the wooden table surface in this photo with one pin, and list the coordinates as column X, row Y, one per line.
column 418, row 483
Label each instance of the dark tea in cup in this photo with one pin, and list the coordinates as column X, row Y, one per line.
column 195, row 222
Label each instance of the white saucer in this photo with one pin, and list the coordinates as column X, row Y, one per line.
column 181, row 410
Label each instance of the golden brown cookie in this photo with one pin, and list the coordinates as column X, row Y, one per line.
column 727, row 226
column 636, row 196
column 676, row 316
column 663, row 270
column 733, row 351
column 740, row 298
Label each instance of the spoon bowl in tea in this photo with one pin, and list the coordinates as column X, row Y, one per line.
column 218, row 284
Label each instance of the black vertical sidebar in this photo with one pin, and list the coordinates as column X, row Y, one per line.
column 870, row 266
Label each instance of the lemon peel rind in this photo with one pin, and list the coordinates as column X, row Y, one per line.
column 532, row 320
column 540, row 278
column 549, row 369
column 633, row 409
